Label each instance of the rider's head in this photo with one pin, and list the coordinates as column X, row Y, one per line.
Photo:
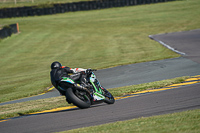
column 55, row 65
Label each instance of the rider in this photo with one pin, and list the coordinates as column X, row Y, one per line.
column 77, row 74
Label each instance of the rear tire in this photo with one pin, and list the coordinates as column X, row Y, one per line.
column 75, row 97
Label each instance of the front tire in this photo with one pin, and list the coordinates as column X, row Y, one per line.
column 109, row 99
column 78, row 98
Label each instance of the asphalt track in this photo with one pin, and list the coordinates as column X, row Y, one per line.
column 162, row 102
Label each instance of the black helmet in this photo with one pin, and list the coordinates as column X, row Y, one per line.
column 55, row 65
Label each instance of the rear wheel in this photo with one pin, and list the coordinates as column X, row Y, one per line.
column 78, row 98
column 109, row 99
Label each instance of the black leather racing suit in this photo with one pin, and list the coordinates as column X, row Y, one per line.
column 57, row 74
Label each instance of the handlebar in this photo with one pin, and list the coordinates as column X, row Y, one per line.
column 88, row 71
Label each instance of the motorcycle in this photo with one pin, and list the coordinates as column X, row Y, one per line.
column 84, row 98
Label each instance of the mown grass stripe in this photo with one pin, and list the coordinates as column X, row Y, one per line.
column 189, row 81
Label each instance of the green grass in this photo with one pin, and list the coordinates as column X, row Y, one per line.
column 181, row 122
column 25, row 108
column 90, row 39
column 120, row 91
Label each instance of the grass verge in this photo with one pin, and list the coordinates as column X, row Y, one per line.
column 181, row 122
column 25, row 108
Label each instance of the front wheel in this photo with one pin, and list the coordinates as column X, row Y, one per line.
column 78, row 98
column 109, row 99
